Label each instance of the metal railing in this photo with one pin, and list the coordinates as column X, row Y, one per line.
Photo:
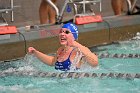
column 131, row 6
column 59, row 15
column 6, row 10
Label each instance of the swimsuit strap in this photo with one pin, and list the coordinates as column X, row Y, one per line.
column 71, row 52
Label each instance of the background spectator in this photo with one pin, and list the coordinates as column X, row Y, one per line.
column 46, row 12
column 117, row 6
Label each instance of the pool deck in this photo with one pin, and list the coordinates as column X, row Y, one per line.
column 45, row 37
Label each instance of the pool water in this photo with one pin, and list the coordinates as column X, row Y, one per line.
column 26, row 84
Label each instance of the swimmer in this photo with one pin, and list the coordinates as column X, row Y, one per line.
column 66, row 54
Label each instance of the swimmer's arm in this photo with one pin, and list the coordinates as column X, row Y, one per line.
column 90, row 57
column 49, row 60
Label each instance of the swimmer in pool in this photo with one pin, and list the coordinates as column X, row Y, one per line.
column 66, row 54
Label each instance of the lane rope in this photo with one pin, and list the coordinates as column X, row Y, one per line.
column 71, row 74
column 107, row 55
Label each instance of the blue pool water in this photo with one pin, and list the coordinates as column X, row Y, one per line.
column 16, row 83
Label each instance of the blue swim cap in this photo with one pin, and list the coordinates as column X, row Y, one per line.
column 73, row 28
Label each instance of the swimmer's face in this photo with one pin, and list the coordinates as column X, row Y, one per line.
column 64, row 36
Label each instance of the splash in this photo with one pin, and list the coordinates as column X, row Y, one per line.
column 137, row 37
column 76, row 60
column 35, row 64
column 28, row 59
column 84, row 67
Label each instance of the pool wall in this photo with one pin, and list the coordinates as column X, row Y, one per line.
column 45, row 37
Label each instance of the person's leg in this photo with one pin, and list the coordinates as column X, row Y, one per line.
column 117, row 6
column 122, row 5
column 43, row 12
column 52, row 13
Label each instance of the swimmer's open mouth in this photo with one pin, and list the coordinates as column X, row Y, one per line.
column 63, row 39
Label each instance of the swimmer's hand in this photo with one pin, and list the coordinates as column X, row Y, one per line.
column 31, row 50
